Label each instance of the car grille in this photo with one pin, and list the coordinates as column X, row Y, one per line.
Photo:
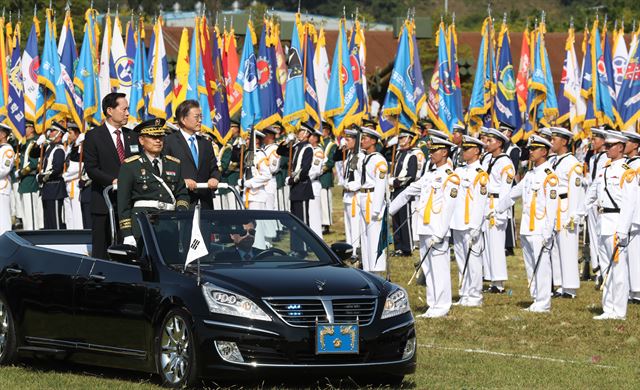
column 305, row 312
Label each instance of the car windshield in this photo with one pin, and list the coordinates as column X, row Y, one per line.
column 245, row 238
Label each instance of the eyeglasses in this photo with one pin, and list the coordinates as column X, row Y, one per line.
column 249, row 232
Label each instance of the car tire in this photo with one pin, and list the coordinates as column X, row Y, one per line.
column 176, row 350
column 8, row 343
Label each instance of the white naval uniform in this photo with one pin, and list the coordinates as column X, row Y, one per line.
column 438, row 190
column 71, row 204
column 614, row 193
column 415, row 220
column 539, row 192
column 468, row 216
column 6, row 164
column 633, row 249
column 272, row 186
column 326, row 198
column 501, row 173
column 351, row 180
column 371, row 197
column 564, row 255
column 31, row 202
column 255, row 193
column 596, row 165
column 315, row 204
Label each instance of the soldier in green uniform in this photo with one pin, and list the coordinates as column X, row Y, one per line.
column 149, row 181
column 326, row 179
column 230, row 169
column 423, row 143
column 28, row 187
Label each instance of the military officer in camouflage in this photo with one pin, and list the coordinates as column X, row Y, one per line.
column 150, row 181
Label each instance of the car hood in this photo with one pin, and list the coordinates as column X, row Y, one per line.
column 316, row 281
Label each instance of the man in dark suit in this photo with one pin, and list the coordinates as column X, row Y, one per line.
column 242, row 249
column 105, row 148
column 198, row 161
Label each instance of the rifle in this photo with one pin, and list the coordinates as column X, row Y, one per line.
column 419, row 266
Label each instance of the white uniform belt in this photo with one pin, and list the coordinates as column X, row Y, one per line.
column 154, row 204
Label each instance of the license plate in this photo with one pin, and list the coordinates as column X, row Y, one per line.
column 337, row 338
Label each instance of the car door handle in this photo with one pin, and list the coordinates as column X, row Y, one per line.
column 97, row 277
column 14, row 271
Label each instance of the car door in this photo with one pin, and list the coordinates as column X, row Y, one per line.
column 111, row 309
column 40, row 290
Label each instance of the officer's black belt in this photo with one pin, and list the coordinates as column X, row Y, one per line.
column 494, row 195
column 562, row 196
column 608, row 210
column 366, row 190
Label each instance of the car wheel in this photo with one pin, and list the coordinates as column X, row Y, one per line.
column 7, row 334
column 175, row 350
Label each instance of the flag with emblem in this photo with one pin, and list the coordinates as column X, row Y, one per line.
column 271, row 102
column 400, row 99
column 197, row 245
column 543, row 107
column 230, row 65
column 356, row 43
column 196, row 88
column 569, row 94
column 524, row 67
column 248, row 78
column 609, row 71
column 442, row 113
column 137, row 101
column 160, row 98
column 33, row 98
column 122, row 63
column 4, row 81
column 454, row 72
column 506, row 108
column 321, row 70
column 104, row 73
column 629, row 95
column 483, row 83
column 603, row 105
column 221, row 119
column 620, row 58
column 341, row 96
column 294, row 103
column 15, row 104
column 586, row 84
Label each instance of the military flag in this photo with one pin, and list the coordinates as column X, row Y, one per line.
column 294, row 104
column 454, row 72
column 313, row 116
column 33, row 99
column 15, row 104
column 85, row 78
column 231, row 65
column 196, row 87
column 484, row 83
column 160, row 98
column 248, row 78
column 441, row 110
column 569, row 98
column 68, row 60
column 629, row 95
column 321, row 70
column 137, row 110
column 182, row 70
column 524, row 68
column 49, row 74
column 220, row 114
column 122, row 63
column 620, row 58
column 507, row 109
column 104, row 72
column 603, row 105
column 543, row 107
column 356, row 42
column 609, row 72
column 271, row 102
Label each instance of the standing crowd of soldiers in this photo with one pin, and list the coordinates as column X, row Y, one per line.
column 442, row 192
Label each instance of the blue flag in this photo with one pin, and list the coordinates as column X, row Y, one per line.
column 400, row 98
column 312, row 107
column 446, row 115
column 85, row 79
column 356, row 71
column 137, row 96
column 248, row 78
column 270, row 103
column 629, row 95
column 507, row 109
column 294, row 93
column 15, row 104
column 221, row 119
column 341, row 96
column 49, row 74
column 68, row 61
column 483, row 82
column 604, row 102
column 456, row 87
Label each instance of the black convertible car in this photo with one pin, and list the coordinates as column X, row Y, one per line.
column 269, row 297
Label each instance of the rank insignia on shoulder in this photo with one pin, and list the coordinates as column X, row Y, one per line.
column 449, row 171
column 553, row 194
column 479, row 170
column 625, row 166
column 548, row 171
column 317, row 162
column 381, row 175
column 454, row 192
column 132, row 158
column 483, row 190
column 171, row 158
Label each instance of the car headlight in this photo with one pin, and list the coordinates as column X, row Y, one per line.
column 397, row 303
column 223, row 301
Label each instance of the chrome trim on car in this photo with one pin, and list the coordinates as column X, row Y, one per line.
column 89, row 347
column 327, row 302
column 256, row 364
column 407, row 323
column 234, row 326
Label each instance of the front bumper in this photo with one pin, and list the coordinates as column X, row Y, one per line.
column 276, row 347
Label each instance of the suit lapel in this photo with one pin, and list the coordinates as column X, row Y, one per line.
column 185, row 146
column 108, row 140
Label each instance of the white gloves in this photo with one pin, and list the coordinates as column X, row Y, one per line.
column 41, row 140
column 392, row 141
column 547, row 241
column 80, row 139
column 290, row 137
column 65, row 138
column 475, row 235
column 130, row 240
column 343, row 142
column 623, row 240
column 434, row 241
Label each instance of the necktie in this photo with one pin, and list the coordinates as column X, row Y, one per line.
column 194, row 151
column 119, row 146
column 247, row 257
column 156, row 167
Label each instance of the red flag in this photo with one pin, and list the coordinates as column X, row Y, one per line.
column 522, row 81
column 207, row 63
column 230, row 65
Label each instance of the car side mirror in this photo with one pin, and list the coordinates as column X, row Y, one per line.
column 342, row 250
column 122, row 253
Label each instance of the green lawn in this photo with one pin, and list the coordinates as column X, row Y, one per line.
column 496, row 346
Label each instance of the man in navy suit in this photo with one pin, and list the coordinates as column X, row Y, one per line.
column 198, row 161
column 105, row 148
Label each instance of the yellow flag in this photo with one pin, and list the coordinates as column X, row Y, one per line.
column 182, row 70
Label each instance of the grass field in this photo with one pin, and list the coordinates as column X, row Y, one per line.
column 496, row 346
